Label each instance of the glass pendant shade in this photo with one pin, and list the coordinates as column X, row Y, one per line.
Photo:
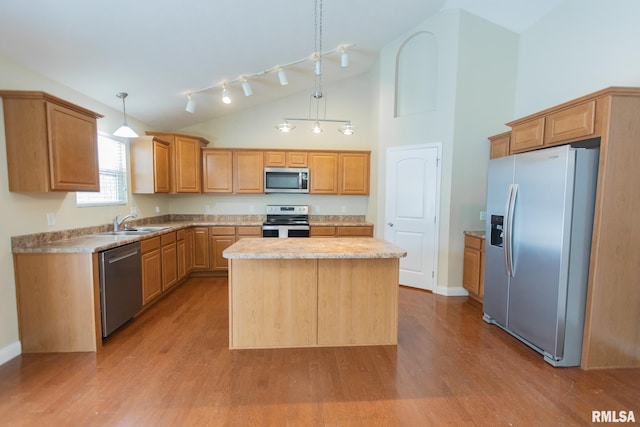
column 124, row 131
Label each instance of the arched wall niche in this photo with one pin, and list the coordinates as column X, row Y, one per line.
column 416, row 75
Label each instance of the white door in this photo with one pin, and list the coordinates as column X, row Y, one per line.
column 411, row 220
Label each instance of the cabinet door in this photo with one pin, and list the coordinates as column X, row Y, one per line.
column 499, row 145
column 161, row 182
column 275, row 159
column 188, row 242
column 570, row 124
column 217, row 171
column 528, row 135
column 297, row 159
column 219, row 244
column 151, row 275
column 73, row 150
column 471, row 270
column 169, row 266
column 354, row 173
column 248, row 171
column 201, row 248
column 323, row 173
column 181, row 254
column 187, row 165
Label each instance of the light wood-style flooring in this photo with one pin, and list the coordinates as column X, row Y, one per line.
column 171, row 366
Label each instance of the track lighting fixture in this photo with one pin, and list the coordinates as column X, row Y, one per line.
column 225, row 95
column 318, row 96
column 344, row 57
column 246, row 87
column 282, row 77
column 191, row 105
column 124, row 131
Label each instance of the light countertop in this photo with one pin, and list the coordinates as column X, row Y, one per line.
column 300, row 248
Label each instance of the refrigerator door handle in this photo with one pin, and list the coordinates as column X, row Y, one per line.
column 505, row 231
column 509, row 227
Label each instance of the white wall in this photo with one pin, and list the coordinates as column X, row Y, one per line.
column 476, row 83
column 25, row 213
column 582, row 46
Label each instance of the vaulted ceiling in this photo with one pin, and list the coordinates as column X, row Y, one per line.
column 159, row 50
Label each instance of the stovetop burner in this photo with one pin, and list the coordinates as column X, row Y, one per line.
column 287, row 215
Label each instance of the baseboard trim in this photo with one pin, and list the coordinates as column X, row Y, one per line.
column 9, row 352
column 451, row 291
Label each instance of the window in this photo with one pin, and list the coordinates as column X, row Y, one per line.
column 112, row 160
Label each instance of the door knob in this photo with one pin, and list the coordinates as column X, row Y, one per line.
column 390, row 224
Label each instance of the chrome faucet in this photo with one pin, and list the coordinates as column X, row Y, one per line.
column 117, row 224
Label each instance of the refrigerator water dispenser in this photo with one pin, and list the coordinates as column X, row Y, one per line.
column 496, row 230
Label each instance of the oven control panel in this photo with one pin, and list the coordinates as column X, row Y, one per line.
column 287, row 210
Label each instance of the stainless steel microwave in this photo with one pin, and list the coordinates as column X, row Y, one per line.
column 286, row 180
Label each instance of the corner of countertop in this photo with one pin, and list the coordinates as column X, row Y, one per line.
column 475, row 233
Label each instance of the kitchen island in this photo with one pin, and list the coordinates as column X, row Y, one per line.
column 313, row 292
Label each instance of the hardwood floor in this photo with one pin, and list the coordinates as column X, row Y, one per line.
column 172, row 367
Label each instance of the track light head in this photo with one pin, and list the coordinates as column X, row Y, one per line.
column 246, row 87
column 191, row 105
column 225, row 95
column 282, row 77
column 344, row 58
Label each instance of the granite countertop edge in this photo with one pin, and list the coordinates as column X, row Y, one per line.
column 88, row 239
column 475, row 233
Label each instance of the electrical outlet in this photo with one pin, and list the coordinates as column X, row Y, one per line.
column 207, row 209
column 157, row 209
column 134, row 210
column 51, row 218
column 252, row 208
column 483, row 215
column 343, row 209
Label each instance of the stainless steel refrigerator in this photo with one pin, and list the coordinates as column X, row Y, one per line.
column 540, row 208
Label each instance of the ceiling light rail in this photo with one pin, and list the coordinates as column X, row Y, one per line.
column 279, row 69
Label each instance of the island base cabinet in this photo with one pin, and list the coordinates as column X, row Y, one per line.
column 357, row 302
column 301, row 302
column 272, row 303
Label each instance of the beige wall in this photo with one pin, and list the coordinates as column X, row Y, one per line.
column 25, row 213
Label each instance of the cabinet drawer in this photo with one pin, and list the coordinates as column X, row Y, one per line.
column 223, row 231
column 355, row 231
column 322, row 231
column 473, row 242
column 249, row 231
column 527, row 135
column 168, row 238
column 572, row 123
column 148, row 245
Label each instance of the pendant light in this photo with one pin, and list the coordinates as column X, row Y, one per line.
column 318, row 96
column 124, row 131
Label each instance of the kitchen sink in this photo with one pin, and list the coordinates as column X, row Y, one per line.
column 133, row 231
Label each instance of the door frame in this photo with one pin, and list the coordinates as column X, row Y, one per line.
column 436, row 254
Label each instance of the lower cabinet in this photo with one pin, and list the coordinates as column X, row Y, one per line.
column 169, row 260
column 200, row 248
column 341, row 231
column 473, row 269
column 222, row 237
column 151, row 269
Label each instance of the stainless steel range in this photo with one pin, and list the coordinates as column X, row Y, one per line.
column 286, row 221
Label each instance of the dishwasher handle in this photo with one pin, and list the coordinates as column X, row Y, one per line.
column 120, row 257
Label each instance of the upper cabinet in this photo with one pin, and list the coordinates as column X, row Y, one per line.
column 217, row 173
column 500, row 145
column 248, row 171
column 54, row 140
column 323, row 173
column 150, row 165
column 285, row 159
column 185, row 161
column 353, row 170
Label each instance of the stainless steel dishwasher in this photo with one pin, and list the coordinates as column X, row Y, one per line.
column 120, row 286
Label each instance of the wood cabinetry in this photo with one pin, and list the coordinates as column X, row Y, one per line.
column 248, row 172
column 527, row 135
column 289, row 159
column 611, row 336
column 323, row 173
column 473, row 270
column 52, row 144
column 150, row 159
column 353, row 171
column 221, row 237
column 500, row 145
column 200, row 248
column 341, row 231
column 185, row 167
column 151, row 269
column 217, row 174
column 184, row 252
column 169, row 253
